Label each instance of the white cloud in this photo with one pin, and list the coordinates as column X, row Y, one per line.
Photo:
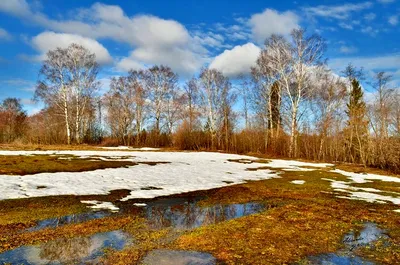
column 346, row 25
column 50, row 40
column 126, row 64
column 270, row 22
column 386, row 1
column 348, row 49
column 370, row 16
column 28, row 101
column 370, row 30
column 153, row 40
column 340, row 12
column 15, row 7
column 236, row 61
column 393, row 20
column 378, row 62
column 180, row 59
column 4, row 35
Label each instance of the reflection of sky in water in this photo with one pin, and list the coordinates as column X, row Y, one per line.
column 186, row 214
column 175, row 257
column 370, row 233
column 73, row 218
column 70, row 251
column 179, row 213
column 333, row 259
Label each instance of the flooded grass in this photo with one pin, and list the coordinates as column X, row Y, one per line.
column 352, row 241
column 76, row 250
column 174, row 257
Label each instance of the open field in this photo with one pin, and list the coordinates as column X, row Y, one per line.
column 217, row 208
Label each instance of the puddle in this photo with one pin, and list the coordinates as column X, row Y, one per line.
column 184, row 213
column 78, row 250
column 334, row 259
column 179, row 213
column 369, row 234
column 69, row 219
column 174, row 257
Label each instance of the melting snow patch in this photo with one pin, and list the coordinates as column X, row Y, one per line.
column 298, row 182
column 102, row 205
column 397, row 210
column 186, row 172
column 140, row 204
column 131, row 148
column 364, row 178
column 292, row 165
column 357, row 193
column 117, row 148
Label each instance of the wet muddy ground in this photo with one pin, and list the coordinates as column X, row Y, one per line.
column 295, row 219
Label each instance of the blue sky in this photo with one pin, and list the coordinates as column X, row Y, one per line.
column 187, row 35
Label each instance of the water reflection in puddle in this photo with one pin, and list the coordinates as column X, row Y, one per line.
column 184, row 213
column 79, row 250
column 178, row 213
column 69, row 219
column 176, row 257
column 369, row 234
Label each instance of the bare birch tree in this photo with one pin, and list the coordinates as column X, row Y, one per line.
column 67, row 83
column 136, row 81
column 329, row 95
column 83, row 70
column 54, row 86
column 120, row 103
column 160, row 82
column 383, row 103
column 212, row 84
column 191, row 97
column 292, row 62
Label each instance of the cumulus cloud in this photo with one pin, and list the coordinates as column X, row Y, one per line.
column 270, row 22
column 237, row 60
column 15, row 7
column 50, row 40
column 153, row 40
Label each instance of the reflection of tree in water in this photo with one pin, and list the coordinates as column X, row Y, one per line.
column 189, row 215
column 66, row 250
column 180, row 214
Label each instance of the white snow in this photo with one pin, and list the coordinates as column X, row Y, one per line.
column 102, row 205
column 298, row 182
column 359, row 193
column 397, row 210
column 365, row 177
column 131, row 148
column 117, row 148
column 293, row 165
column 140, row 204
column 186, row 172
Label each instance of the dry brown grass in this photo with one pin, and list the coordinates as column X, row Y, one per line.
column 25, row 165
column 305, row 220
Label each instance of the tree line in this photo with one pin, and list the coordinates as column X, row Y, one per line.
column 291, row 105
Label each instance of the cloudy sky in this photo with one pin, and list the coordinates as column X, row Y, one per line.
column 188, row 34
